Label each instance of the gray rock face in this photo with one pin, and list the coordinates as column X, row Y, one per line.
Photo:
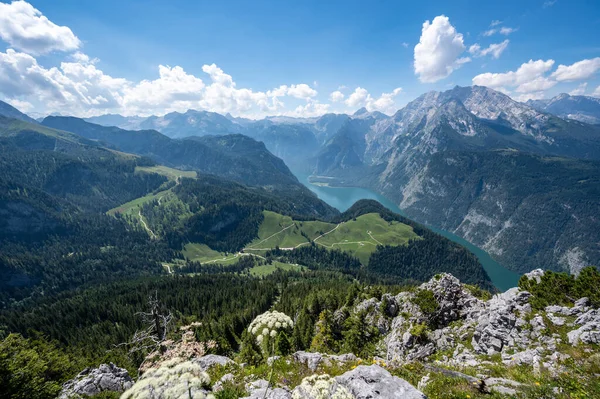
column 535, row 275
column 589, row 332
column 260, row 390
column 208, row 361
column 371, row 382
column 90, row 382
column 496, row 327
column 313, row 359
column 455, row 302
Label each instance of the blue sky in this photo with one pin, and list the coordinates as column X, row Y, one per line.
column 284, row 57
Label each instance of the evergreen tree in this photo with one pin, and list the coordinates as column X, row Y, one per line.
column 250, row 351
column 283, row 347
column 323, row 341
column 359, row 335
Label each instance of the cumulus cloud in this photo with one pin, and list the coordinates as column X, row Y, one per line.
column 436, row 55
column 336, row 96
column 311, row 109
column 596, row 92
column 579, row 90
column 385, row 103
column 23, row 106
column 361, row 98
column 302, row 91
column 73, row 85
column 357, row 98
column 490, row 32
column 495, row 50
column 24, row 28
column 578, row 71
column 80, row 88
column 526, row 73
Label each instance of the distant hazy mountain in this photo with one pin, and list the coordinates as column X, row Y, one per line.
column 581, row 108
column 235, row 157
column 9, row 111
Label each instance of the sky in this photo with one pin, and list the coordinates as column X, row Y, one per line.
column 295, row 58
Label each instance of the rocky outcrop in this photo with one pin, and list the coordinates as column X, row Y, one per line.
column 208, row 361
column 90, row 382
column 371, row 382
column 498, row 325
column 589, row 332
column 314, row 359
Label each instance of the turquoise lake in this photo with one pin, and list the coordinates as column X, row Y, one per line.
column 343, row 197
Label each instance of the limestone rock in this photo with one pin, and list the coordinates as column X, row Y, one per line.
column 313, row 359
column 372, row 382
column 90, row 382
column 260, row 389
column 209, row 361
column 589, row 332
column 536, row 275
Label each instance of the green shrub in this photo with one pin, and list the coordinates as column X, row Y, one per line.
column 426, row 301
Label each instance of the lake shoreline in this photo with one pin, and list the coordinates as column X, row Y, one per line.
column 342, row 197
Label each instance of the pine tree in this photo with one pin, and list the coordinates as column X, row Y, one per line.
column 359, row 336
column 323, row 341
column 250, row 352
column 283, row 347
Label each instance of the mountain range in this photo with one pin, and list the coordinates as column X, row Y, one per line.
column 447, row 159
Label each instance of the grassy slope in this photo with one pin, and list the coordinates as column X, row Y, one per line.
column 359, row 237
column 131, row 207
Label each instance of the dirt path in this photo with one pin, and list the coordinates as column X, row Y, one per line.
column 152, row 235
column 272, row 235
column 373, row 238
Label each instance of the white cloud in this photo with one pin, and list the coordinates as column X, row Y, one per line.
column 596, row 92
column 494, row 49
column 24, row 28
column 80, row 88
column 528, row 96
column 405, row 45
column 302, row 91
column 507, row 31
column 357, row 98
column 336, row 96
column 23, row 106
column 578, row 71
column 549, row 3
column 527, row 72
column 579, row 90
column 311, row 109
column 490, row 32
column 385, row 103
column 495, row 22
column 536, row 85
column 436, row 54
column 361, row 98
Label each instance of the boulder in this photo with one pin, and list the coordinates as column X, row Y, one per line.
column 372, row 382
column 312, row 360
column 209, row 361
column 498, row 326
column 589, row 332
column 260, row 390
column 92, row 381
column 536, row 275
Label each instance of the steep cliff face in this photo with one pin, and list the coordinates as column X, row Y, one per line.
column 523, row 209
